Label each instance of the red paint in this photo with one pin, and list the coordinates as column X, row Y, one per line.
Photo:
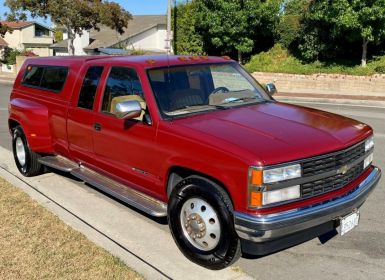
column 219, row 144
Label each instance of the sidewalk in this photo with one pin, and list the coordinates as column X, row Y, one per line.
column 143, row 243
column 7, row 78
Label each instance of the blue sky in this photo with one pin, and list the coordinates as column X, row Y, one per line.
column 135, row 7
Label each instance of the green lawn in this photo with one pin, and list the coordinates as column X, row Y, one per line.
column 35, row 244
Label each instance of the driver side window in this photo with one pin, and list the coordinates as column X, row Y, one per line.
column 225, row 76
column 123, row 84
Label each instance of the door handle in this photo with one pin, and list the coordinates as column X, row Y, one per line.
column 98, row 126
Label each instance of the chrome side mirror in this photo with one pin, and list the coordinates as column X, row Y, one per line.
column 128, row 109
column 271, row 89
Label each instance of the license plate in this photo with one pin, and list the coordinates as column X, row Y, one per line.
column 349, row 222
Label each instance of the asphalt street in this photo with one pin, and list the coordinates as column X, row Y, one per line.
column 358, row 255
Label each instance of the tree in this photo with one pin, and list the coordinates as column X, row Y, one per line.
column 74, row 15
column 186, row 39
column 234, row 25
column 350, row 19
column 58, row 33
column 290, row 21
column 4, row 29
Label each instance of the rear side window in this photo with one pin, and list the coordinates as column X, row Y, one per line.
column 89, row 87
column 50, row 78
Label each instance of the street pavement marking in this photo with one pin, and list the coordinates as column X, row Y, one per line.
column 3, row 109
column 381, row 135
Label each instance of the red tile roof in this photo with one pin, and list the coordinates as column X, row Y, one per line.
column 16, row 24
column 3, row 42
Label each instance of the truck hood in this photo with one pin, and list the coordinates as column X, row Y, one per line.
column 277, row 132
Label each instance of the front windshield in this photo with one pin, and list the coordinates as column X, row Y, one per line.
column 187, row 89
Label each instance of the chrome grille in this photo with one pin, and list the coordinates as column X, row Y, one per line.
column 330, row 183
column 333, row 161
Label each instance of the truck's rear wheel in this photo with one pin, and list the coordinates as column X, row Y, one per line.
column 201, row 221
column 26, row 160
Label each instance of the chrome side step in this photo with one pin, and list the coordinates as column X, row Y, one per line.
column 59, row 163
column 122, row 192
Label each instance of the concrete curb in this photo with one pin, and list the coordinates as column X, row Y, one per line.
column 380, row 104
column 6, row 81
column 142, row 243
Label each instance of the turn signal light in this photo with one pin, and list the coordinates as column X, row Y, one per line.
column 195, row 58
column 256, row 177
column 151, row 61
column 255, row 199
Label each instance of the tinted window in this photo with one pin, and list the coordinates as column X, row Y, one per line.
column 90, row 84
column 122, row 83
column 46, row 77
column 33, row 76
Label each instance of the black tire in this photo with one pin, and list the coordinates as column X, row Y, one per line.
column 31, row 166
column 228, row 249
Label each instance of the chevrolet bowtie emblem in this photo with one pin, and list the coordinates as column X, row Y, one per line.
column 344, row 169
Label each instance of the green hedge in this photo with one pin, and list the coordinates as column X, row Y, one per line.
column 279, row 60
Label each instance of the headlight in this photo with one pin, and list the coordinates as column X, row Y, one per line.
column 368, row 160
column 369, row 143
column 259, row 196
column 262, row 198
column 281, row 195
column 281, row 174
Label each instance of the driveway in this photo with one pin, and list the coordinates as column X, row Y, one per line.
column 146, row 244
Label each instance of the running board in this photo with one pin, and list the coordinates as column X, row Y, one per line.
column 121, row 192
column 59, row 163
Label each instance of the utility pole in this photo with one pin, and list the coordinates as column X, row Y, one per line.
column 168, row 39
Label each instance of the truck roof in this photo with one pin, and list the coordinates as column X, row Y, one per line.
column 146, row 61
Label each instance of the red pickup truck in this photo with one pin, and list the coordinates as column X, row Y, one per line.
column 198, row 140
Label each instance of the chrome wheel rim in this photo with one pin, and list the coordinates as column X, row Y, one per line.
column 200, row 224
column 20, row 151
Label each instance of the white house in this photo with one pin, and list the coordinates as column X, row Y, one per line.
column 29, row 35
column 147, row 33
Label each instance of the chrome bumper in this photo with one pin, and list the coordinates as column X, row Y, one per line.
column 271, row 227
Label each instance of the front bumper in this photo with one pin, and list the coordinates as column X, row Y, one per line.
column 267, row 233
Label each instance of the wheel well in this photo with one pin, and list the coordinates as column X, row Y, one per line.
column 12, row 124
column 178, row 173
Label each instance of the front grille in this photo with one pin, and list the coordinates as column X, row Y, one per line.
column 333, row 161
column 331, row 183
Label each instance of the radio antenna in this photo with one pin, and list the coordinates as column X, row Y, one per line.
column 168, row 39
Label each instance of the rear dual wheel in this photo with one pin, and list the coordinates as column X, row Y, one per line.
column 26, row 160
column 201, row 220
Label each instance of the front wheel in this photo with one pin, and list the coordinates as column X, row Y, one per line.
column 26, row 160
column 201, row 220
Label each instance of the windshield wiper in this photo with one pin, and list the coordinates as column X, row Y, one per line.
column 237, row 99
column 199, row 105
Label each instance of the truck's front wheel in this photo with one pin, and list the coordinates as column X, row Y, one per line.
column 26, row 160
column 201, row 221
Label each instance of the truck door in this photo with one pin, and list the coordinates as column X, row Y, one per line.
column 80, row 119
column 126, row 149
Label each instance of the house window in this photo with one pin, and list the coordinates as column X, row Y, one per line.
column 41, row 31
